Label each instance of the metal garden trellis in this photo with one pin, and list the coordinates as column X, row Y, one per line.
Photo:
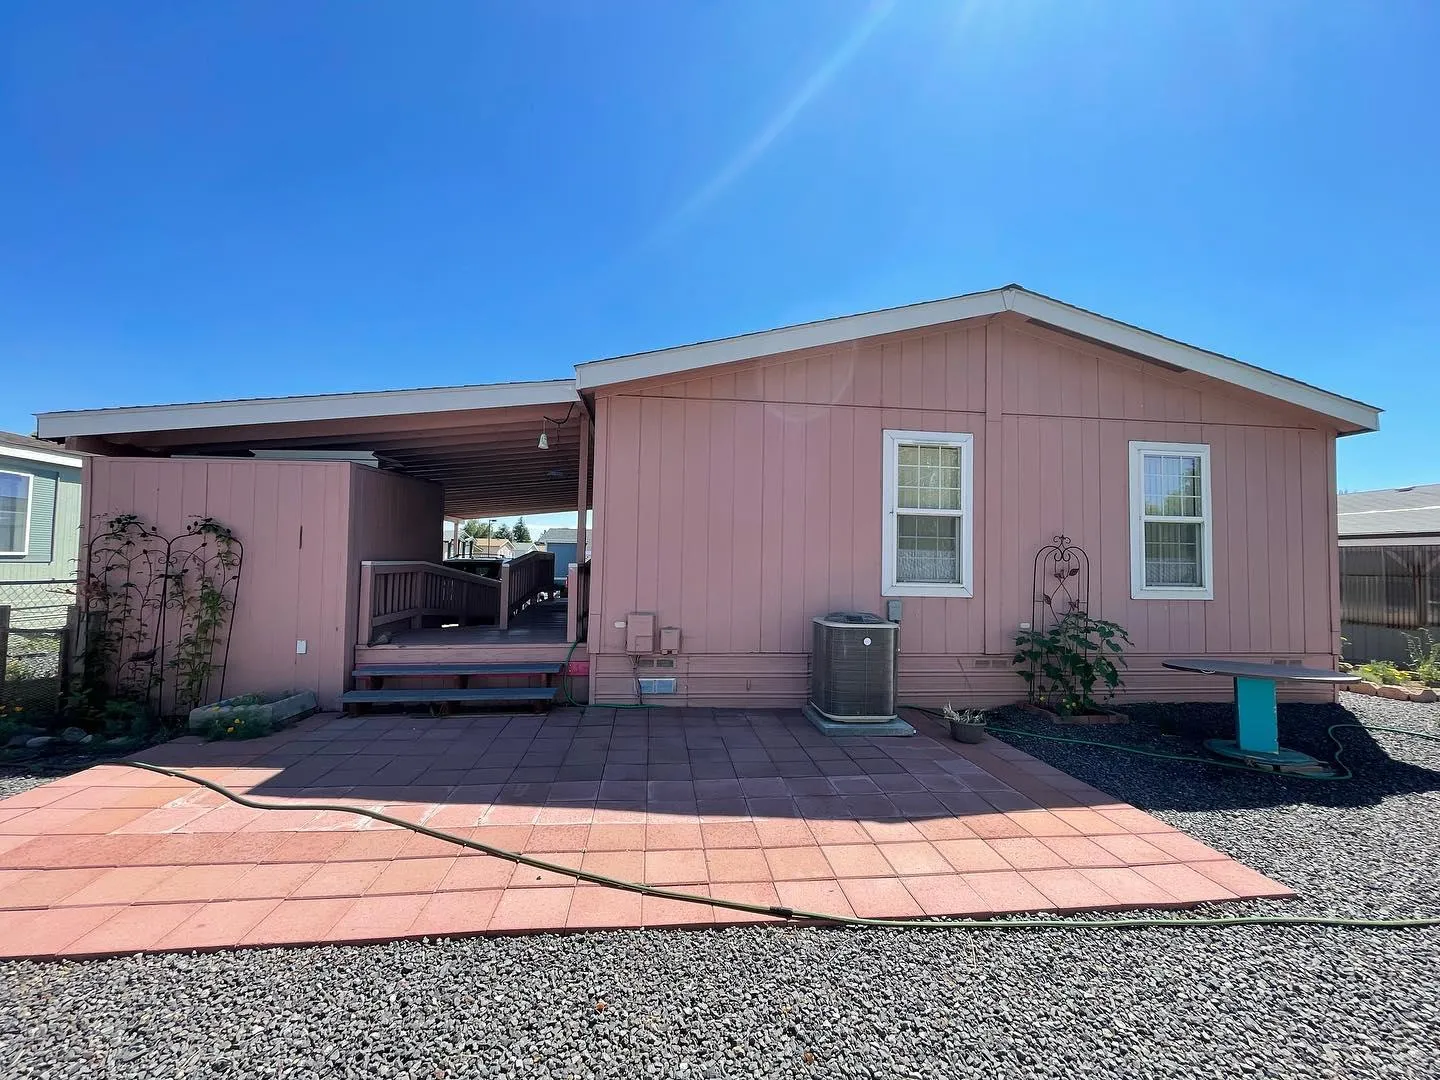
column 155, row 609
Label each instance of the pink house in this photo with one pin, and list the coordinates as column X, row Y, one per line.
column 740, row 487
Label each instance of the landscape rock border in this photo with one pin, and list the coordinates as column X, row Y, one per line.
column 1423, row 694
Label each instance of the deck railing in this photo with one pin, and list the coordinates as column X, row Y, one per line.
column 577, row 589
column 522, row 579
column 415, row 594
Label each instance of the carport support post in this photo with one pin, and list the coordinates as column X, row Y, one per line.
column 1257, row 728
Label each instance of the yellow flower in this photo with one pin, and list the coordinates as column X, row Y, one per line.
column 230, row 729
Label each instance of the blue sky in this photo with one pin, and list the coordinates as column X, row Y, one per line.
column 277, row 198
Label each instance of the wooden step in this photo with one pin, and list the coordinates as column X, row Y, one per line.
column 368, row 671
column 534, row 695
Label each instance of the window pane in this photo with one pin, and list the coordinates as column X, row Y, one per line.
column 14, row 509
column 1172, row 485
column 928, row 478
column 1174, row 554
column 928, row 549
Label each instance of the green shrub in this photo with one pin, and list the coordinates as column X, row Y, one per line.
column 248, row 722
column 1424, row 653
column 132, row 719
column 1382, row 673
column 1062, row 665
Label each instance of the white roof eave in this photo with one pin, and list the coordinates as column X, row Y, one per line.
column 282, row 410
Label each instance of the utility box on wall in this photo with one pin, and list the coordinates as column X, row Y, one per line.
column 669, row 639
column 640, row 632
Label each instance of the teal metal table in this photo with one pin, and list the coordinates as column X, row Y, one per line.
column 1257, row 729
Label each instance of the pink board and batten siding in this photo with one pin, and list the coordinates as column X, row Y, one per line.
column 305, row 526
column 739, row 502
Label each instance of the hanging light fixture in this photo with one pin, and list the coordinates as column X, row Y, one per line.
column 544, row 443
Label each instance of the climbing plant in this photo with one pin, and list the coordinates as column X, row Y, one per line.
column 157, row 615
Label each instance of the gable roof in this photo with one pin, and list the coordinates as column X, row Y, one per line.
column 24, row 448
column 558, row 535
column 1407, row 511
column 1351, row 415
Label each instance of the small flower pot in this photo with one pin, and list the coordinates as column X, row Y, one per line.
column 964, row 732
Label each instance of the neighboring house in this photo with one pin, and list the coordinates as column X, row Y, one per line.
column 39, row 529
column 1389, row 569
column 921, row 454
column 560, row 543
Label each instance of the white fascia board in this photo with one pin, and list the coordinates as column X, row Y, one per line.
column 1041, row 309
column 26, row 454
column 1132, row 339
column 787, row 339
column 289, row 410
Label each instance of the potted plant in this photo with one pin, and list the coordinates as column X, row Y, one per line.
column 967, row 726
column 1064, row 664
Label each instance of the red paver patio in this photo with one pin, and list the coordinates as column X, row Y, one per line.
column 753, row 806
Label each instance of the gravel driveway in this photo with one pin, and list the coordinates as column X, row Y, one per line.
column 763, row 1002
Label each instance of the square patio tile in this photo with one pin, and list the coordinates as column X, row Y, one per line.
column 49, row 932
column 133, row 929
column 41, row 888
column 748, row 892
column 599, row 908
column 821, row 897
column 797, row 863
column 625, row 865
column 1069, row 890
column 335, row 879
column 532, row 909
column 474, row 875
column 917, row 857
column 736, row 864
column 217, row 925
column 450, row 913
column 1007, row 892
column 880, row 898
column 378, row 918
column 945, row 894
column 1028, row 853
column 122, row 885
column 681, row 867
column 411, row 876
column 658, row 911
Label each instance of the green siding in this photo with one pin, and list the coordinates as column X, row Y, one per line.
column 54, row 524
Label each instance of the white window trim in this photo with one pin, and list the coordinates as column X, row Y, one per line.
column 29, row 502
column 966, row 444
column 1138, row 589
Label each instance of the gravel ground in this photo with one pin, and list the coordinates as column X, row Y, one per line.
column 14, row 781
column 777, row 1002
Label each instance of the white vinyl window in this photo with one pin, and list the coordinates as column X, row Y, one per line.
column 1171, row 522
column 15, row 513
column 927, row 514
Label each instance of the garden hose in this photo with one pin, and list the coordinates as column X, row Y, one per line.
column 570, row 698
column 778, row 911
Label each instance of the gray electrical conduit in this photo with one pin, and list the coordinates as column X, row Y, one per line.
column 777, row 911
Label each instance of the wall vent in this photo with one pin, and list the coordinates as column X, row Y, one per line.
column 662, row 662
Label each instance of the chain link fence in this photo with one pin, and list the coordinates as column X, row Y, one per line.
column 36, row 621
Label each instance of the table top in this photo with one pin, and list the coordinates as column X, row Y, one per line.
column 1214, row 665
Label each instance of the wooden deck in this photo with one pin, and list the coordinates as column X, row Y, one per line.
column 538, row 633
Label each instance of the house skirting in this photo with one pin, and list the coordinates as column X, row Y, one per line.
column 783, row 679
